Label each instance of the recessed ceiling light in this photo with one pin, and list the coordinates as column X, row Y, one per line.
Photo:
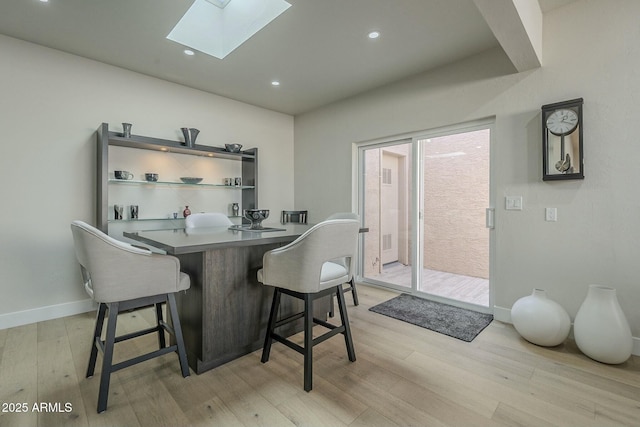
column 189, row 52
column 275, row 83
column 374, row 34
column 44, row 1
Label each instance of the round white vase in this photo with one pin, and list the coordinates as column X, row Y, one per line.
column 601, row 329
column 540, row 320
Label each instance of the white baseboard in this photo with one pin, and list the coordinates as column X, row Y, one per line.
column 504, row 315
column 25, row 317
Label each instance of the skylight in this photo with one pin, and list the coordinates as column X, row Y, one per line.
column 220, row 3
column 219, row 29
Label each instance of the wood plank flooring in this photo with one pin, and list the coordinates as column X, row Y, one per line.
column 404, row 376
column 474, row 290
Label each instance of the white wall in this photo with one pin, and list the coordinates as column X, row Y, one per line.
column 591, row 50
column 50, row 107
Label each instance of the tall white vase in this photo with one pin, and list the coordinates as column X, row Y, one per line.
column 601, row 329
column 540, row 320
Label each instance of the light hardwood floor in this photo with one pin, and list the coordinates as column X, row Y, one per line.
column 474, row 290
column 404, row 376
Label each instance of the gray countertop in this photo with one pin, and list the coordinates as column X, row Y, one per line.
column 183, row 241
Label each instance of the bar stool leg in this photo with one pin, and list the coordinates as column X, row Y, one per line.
column 107, row 357
column 266, row 349
column 161, row 337
column 97, row 335
column 308, row 342
column 331, row 307
column 177, row 331
column 342, row 306
column 354, row 292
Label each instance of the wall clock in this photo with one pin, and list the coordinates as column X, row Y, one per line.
column 562, row 148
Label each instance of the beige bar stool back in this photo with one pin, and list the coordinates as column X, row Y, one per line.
column 352, row 283
column 207, row 219
column 315, row 265
column 122, row 277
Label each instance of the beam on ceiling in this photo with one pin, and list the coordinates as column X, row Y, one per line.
column 517, row 25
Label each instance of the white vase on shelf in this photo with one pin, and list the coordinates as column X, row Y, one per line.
column 601, row 329
column 540, row 320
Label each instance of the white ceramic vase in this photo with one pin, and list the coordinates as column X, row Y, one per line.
column 540, row 320
column 601, row 329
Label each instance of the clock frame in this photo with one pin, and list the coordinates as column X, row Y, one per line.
column 562, row 148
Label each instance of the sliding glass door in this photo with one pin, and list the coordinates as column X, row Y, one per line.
column 454, row 198
column 386, row 209
column 424, row 200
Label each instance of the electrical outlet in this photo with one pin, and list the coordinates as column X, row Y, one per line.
column 551, row 214
column 513, row 203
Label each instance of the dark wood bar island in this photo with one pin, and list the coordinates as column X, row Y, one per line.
column 224, row 313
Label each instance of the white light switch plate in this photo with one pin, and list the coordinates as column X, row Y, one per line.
column 513, row 203
column 550, row 214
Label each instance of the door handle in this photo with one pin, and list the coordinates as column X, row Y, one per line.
column 490, row 218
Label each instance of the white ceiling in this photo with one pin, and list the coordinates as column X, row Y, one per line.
column 317, row 49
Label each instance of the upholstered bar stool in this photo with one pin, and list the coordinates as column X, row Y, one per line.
column 352, row 282
column 309, row 268
column 207, row 219
column 122, row 277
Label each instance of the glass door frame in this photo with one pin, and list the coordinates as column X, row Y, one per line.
column 416, row 205
column 360, row 205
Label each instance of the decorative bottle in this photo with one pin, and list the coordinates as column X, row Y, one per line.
column 235, row 209
column 540, row 320
column 186, row 212
column 601, row 329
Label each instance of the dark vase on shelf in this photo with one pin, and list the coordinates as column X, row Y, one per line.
column 186, row 212
column 126, row 130
column 235, row 209
column 190, row 135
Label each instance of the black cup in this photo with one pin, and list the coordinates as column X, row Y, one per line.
column 151, row 177
column 123, row 174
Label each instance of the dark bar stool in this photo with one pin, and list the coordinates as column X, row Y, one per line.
column 299, row 217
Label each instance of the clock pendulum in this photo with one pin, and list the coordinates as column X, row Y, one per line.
column 564, row 164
